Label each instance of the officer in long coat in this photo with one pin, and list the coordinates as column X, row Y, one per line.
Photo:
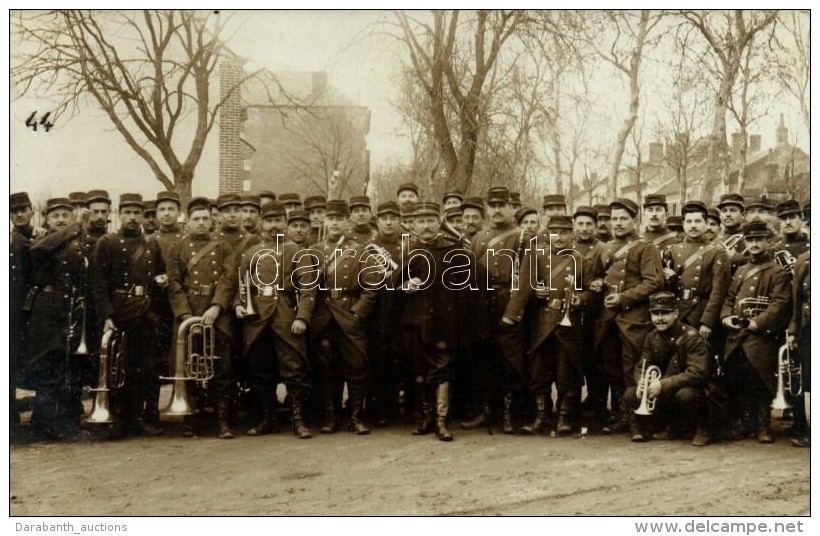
column 202, row 279
column 553, row 276
column 53, row 330
column 283, row 297
column 756, row 312
column 126, row 268
column 633, row 272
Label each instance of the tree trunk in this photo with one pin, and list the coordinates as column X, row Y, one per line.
column 182, row 186
column 716, row 158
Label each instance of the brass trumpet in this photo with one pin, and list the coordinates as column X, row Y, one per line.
column 382, row 257
column 111, row 375
column 648, row 374
column 245, row 295
column 194, row 362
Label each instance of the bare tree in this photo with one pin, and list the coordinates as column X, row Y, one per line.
column 451, row 60
column 728, row 34
column 791, row 55
column 149, row 71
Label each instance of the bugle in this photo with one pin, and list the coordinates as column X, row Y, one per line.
column 648, row 375
column 111, row 375
column 382, row 257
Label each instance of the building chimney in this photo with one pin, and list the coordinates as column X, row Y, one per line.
column 782, row 133
column 754, row 143
column 737, row 146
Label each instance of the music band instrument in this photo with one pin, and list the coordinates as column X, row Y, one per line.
column 194, row 362
column 753, row 306
column 648, row 375
column 245, row 295
column 382, row 257
column 789, row 378
column 111, row 375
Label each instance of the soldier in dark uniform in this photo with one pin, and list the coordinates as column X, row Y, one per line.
column 604, row 229
column 315, row 206
column 633, row 271
column 442, row 313
column 299, row 228
column 388, row 377
column 340, row 325
column 586, row 242
column 125, row 270
column 452, row 198
column 675, row 224
column 527, row 218
column 712, row 225
column 552, row 275
column 251, row 204
column 22, row 233
column 756, row 313
column 455, row 217
column 168, row 206
column 791, row 238
column 655, row 215
column 77, row 202
column 150, row 225
column 281, row 323
column 731, row 209
column 799, row 338
column 554, row 204
column 202, row 281
column 359, row 228
column 679, row 393
column 499, row 249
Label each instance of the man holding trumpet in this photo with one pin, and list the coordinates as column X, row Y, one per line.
column 670, row 383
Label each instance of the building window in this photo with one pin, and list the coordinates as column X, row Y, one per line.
column 246, row 185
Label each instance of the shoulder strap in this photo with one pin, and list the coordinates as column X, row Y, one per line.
column 201, row 253
column 658, row 240
column 502, row 236
column 140, row 251
column 623, row 251
column 694, row 257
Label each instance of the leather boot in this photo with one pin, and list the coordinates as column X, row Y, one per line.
column 442, row 409
column 541, row 421
column 637, row 427
column 267, row 418
column 764, row 426
column 223, row 411
column 300, row 429
column 566, row 415
column 188, row 426
column 800, row 428
column 742, row 428
column 619, row 421
column 329, row 417
column 356, row 401
column 424, row 411
column 481, row 418
column 508, row 427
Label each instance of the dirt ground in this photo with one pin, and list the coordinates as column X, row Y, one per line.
column 391, row 472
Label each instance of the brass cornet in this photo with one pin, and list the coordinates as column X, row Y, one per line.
column 194, row 362
column 382, row 257
column 648, row 375
column 111, row 375
column 753, row 306
column 789, row 378
column 730, row 243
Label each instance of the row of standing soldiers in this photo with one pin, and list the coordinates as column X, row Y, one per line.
column 514, row 311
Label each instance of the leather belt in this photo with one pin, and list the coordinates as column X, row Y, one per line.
column 51, row 289
column 335, row 294
column 133, row 290
column 202, row 290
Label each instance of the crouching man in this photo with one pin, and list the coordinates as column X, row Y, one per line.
column 675, row 397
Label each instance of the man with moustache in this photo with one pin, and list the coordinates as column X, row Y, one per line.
column 604, row 229
column 632, row 268
column 712, row 225
column 441, row 314
column 360, row 229
column 499, row 249
column 251, row 203
column 202, row 281
column 452, row 198
column 150, row 225
column 655, row 214
column 281, row 322
column 472, row 216
column 407, row 194
column 298, row 230
column 552, row 274
column 791, row 238
column 679, row 394
column 732, row 209
column 554, row 204
column 755, row 331
column 126, row 269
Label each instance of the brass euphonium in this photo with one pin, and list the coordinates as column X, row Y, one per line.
column 648, row 374
column 245, row 295
column 194, row 361
column 111, row 375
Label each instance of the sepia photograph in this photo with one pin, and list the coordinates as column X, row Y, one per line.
column 286, row 264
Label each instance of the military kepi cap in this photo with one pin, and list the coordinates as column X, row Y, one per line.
column 290, row 199
column 788, row 208
column 560, row 221
column 253, row 200
column 522, row 212
column 498, row 194
column 453, row 193
column 675, row 223
column 131, row 200
column 426, row 208
column 199, row 203
column 586, row 211
column 359, row 201
column 273, row 208
column 77, row 198
column 694, row 206
column 296, row 215
column 554, row 200
column 97, row 196
column 756, row 228
column 19, row 200
column 731, row 199
column 410, row 186
column 388, row 207
column 627, row 204
column 227, row 200
column 663, row 302
column 315, row 201
column 168, row 196
column 655, row 199
column 338, row 207
column 150, row 207
column 58, row 202
column 473, row 202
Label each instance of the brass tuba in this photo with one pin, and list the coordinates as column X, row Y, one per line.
column 194, row 361
column 648, row 374
column 111, row 375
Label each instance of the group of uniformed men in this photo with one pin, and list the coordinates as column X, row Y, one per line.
column 513, row 312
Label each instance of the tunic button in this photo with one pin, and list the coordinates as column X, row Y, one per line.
column 191, row 245
column 751, row 288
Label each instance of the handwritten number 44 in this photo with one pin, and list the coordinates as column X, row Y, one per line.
column 32, row 122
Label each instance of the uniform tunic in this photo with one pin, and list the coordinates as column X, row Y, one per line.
column 701, row 282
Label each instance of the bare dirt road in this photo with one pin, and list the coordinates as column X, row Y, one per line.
column 391, row 472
